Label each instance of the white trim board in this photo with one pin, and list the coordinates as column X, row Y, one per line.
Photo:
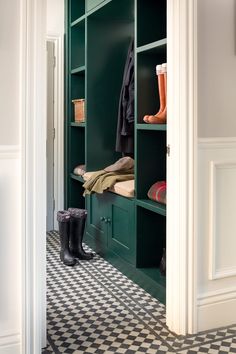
column 58, row 39
column 33, row 173
column 9, row 338
column 181, row 248
column 217, row 143
column 9, row 151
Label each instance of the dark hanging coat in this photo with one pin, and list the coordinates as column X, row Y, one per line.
column 125, row 124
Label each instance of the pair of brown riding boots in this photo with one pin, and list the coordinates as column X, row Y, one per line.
column 161, row 115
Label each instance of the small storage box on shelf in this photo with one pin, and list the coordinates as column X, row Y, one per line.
column 79, row 116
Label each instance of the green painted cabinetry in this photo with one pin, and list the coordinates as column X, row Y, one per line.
column 111, row 223
column 130, row 233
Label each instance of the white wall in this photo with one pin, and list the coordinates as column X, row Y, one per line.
column 9, row 72
column 217, row 68
column 55, row 17
column 216, row 163
column 10, row 226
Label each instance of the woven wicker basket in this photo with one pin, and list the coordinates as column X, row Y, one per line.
column 79, row 110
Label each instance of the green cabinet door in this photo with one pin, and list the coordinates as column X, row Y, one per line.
column 121, row 227
column 96, row 227
column 90, row 4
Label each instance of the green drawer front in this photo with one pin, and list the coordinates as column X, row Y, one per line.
column 90, row 4
column 121, row 228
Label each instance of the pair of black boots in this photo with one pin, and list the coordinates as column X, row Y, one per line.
column 71, row 229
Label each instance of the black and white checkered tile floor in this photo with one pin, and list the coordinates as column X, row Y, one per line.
column 93, row 308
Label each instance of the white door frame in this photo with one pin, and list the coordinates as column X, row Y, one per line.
column 58, row 41
column 33, row 172
column 181, row 300
column 181, row 210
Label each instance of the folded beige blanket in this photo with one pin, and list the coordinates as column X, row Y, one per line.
column 100, row 181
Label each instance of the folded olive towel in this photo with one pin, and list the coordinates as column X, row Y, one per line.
column 102, row 180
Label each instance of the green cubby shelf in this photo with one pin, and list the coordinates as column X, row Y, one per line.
column 78, row 71
column 146, row 126
column 147, row 84
column 77, row 21
column 154, row 46
column 77, row 125
column 152, row 206
column 151, row 162
column 77, row 178
column 150, row 238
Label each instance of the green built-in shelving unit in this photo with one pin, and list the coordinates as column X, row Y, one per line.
column 130, row 233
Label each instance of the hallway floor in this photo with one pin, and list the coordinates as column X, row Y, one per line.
column 93, row 308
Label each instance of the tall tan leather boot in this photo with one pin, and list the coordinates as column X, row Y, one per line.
column 161, row 90
column 160, row 117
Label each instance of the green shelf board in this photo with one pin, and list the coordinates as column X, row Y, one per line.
column 143, row 126
column 78, row 21
column 78, row 125
column 153, row 206
column 77, row 178
column 79, row 70
column 153, row 45
column 98, row 7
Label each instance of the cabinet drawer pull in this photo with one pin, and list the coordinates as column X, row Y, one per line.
column 102, row 218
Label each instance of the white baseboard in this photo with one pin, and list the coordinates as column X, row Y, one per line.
column 10, row 343
column 217, row 310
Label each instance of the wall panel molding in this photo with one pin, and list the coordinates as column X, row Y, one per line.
column 217, row 143
column 9, row 151
column 9, row 338
column 217, row 296
column 216, row 300
column 218, row 206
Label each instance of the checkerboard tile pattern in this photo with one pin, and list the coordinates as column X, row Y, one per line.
column 93, row 308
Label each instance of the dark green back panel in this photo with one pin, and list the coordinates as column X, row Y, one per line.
column 108, row 42
column 76, row 199
column 150, row 238
column 151, row 21
column 77, row 9
column 78, row 45
column 77, row 146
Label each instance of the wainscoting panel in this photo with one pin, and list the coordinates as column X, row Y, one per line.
column 216, row 232
column 10, row 250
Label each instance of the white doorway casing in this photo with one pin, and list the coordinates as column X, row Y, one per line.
column 181, row 302
column 57, row 40
column 50, row 136
column 181, row 277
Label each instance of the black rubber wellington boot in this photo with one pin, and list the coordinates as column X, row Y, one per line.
column 77, row 225
column 63, row 218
